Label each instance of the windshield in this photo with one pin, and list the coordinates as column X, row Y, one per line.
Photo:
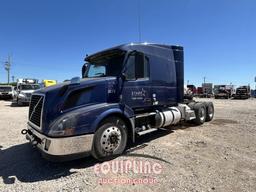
column 30, row 87
column 5, row 89
column 103, row 67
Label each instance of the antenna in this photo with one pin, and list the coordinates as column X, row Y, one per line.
column 139, row 21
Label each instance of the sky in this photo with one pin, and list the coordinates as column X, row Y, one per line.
column 48, row 39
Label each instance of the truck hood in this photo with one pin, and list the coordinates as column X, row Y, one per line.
column 83, row 83
column 57, row 95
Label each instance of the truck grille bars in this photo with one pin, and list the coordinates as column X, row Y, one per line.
column 35, row 109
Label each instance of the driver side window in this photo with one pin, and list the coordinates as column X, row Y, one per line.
column 130, row 72
column 137, row 67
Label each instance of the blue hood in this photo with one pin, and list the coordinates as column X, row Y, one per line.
column 83, row 82
column 57, row 96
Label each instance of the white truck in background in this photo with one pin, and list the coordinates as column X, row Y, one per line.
column 6, row 92
column 23, row 91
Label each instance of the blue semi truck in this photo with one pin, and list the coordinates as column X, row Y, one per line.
column 125, row 92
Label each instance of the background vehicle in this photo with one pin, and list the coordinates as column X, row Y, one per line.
column 207, row 90
column 192, row 88
column 253, row 93
column 200, row 91
column 223, row 91
column 6, row 92
column 188, row 94
column 24, row 90
column 127, row 91
column 47, row 83
column 243, row 92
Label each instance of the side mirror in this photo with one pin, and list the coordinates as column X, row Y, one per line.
column 123, row 76
column 84, row 69
column 75, row 81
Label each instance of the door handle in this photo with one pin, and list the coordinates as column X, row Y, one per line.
column 147, row 100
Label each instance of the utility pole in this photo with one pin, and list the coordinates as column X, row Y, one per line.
column 204, row 79
column 7, row 67
column 13, row 78
column 255, row 82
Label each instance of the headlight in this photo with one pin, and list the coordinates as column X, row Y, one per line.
column 21, row 95
column 64, row 126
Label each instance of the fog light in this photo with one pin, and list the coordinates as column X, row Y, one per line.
column 47, row 144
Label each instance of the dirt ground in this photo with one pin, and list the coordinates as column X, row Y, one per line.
column 217, row 156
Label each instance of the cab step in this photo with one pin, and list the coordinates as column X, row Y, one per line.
column 147, row 131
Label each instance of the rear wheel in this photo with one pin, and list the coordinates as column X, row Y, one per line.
column 200, row 112
column 209, row 111
column 110, row 139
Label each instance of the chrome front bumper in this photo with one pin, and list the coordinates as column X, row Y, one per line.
column 59, row 147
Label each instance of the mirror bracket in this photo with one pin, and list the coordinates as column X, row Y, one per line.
column 75, row 81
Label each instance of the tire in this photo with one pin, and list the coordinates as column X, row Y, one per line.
column 209, row 111
column 200, row 112
column 18, row 102
column 110, row 139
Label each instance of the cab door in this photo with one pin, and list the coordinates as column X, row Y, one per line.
column 136, row 90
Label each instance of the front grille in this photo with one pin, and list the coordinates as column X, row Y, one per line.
column 35, row 109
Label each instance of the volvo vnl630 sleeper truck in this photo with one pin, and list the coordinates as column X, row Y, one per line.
column 125, row 91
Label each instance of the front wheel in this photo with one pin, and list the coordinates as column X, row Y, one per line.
column 110, row 139
column 19, row 103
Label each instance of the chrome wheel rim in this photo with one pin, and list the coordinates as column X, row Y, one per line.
column 202, row 114
column 210, row 112
column 110, row 139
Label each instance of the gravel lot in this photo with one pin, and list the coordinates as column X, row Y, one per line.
column 217, row 156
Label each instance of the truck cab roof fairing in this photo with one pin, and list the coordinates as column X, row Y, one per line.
column 105, row 54
column 149, row 48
